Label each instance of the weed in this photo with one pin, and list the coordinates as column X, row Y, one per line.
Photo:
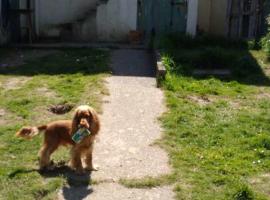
column 244, row 193
column 265, row 44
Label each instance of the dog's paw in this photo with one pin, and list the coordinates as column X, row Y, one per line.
column 92, row 168
column 49, row 167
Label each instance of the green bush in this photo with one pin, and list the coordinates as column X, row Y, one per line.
column 252, row 45
column 262, row 141
column 244, row 193
column 215, row 57
column 205, row 57
column 175, row 41
column 265, row 44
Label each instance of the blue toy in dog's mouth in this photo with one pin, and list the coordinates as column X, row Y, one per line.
column 80, row 134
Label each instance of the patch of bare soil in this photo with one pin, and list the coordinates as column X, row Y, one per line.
column 2, row 112
column 206, row 100
column 2, row 116
column 234, row 103
column 261, row 183
column 44, row 91
column 20, row 57
column 6, row 117
column 15, row 83
column 201, row 100
column 263, row 94
column 42, row 115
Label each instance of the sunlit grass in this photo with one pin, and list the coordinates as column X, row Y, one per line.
column 68, row 76
column 216, row 129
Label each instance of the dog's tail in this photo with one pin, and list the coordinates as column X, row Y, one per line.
column 30, row 132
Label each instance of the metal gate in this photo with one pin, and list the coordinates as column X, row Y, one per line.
column 162, row 16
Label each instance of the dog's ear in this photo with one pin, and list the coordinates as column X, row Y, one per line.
column 95, row 124
column 75, row 122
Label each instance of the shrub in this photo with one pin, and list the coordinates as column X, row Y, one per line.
column 265, row 44
column 215, row 57
column 252, row 45
column 175, row 41
column 262, row 141
column 244, row 193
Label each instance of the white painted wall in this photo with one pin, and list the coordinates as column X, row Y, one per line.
column 192, row 17
column 51, row 14
column 111, row 21
column 115, row 19
column 63, row 11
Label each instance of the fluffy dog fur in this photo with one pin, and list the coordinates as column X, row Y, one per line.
column 60, row 132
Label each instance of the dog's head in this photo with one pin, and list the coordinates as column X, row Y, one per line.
column 85, row 117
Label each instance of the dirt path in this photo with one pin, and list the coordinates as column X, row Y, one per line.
column 129, row 129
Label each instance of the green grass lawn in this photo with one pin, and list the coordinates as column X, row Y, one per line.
column 73, row 76
column 217, row 129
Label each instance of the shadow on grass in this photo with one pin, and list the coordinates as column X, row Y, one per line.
column 66, row 61
column 78, row 186
column 184, row 56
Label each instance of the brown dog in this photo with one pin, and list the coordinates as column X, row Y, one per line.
column 60, row 133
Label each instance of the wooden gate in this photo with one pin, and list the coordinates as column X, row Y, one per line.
column 244, row 18
column 161, row 16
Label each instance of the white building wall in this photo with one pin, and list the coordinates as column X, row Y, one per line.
column 88, row 19
column 115, row 19
column 53, row 15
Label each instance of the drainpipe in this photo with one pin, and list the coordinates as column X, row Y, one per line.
column 192, row 17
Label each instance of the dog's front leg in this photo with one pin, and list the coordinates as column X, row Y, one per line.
column 89, row 159
column 75, row 162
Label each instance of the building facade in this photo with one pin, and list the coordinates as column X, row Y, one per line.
column 233, row 18
column 96, row 20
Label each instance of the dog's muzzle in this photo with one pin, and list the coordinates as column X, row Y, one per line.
column 84, row 123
